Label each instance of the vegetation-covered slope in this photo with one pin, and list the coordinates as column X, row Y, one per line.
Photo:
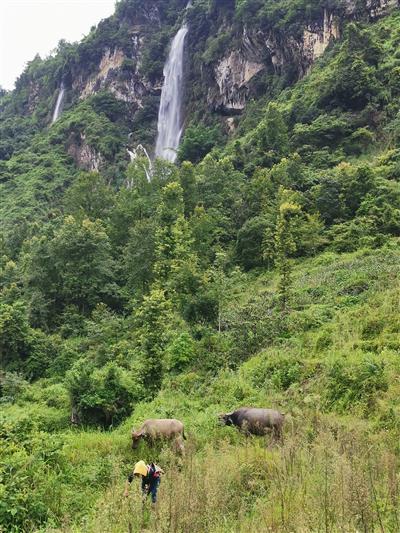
column 333, row 368
column 261, row 270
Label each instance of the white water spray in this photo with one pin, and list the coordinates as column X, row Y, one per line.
column 170, row 112
column 59, row 103
column 135, row 153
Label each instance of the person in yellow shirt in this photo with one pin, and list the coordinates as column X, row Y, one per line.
column 151, row 478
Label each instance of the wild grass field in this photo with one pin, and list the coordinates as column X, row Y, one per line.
column 334, row 371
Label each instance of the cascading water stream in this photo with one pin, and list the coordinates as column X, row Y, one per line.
column 59, row 103
column 170, row 112
column 134, row 154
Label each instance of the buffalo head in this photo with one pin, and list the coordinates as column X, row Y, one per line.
column 136, row 436
column 225, row 419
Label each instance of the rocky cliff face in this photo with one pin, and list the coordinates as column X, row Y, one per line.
column 231, row 78
column 232, row 74
column 316, row 38
column 269, row 53
column 374, row 8
column 273, row 52
column 234, row 71
column 85, row 157
column 120, row 74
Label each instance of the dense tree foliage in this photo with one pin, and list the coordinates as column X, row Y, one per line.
column 283, row 190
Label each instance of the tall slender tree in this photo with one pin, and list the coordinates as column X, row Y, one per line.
column 285, row 247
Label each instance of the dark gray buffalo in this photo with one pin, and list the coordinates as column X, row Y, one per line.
column 255, row 420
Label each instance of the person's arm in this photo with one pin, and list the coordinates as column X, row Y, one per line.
column 159, row 469
column 127, row 484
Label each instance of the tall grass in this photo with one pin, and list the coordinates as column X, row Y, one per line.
column 336, row 373
column 323, row 478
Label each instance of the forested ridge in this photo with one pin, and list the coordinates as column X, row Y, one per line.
column 261, row 269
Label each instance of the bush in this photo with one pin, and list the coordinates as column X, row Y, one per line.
column 274, row 370
column 197, row 142
column 14, row 334
column 56, row 396
column 43, row 351
column 180, row 352
column 30, row 472
column 11, row 386
column 249, row 242
column 101, row 395
column 353, row 383
column 312, row 318
column 213, row 351
column 216, row 47
column 372, row 328
column 359, row 232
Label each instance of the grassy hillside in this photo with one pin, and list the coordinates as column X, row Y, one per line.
column 261, row 271
column 334, row 369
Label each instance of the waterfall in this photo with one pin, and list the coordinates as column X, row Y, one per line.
column 59, row 103
column 170, row 112
column 136, row 153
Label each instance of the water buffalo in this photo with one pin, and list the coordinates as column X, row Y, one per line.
column 159, row 429
column 255, row 421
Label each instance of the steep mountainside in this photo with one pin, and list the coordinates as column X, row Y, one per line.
column 234, row 53
column 262, row 268
column 111, row 84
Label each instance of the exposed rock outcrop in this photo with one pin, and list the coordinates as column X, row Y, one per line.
column 316, row 38
column 33, row 96
column 85, row 156
column 232, row 75
column 275, row 51
column 109, row 65
column 271, row 51
column 374, row 8
column 125, row 82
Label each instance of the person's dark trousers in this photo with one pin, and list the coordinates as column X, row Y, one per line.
column 153, row 488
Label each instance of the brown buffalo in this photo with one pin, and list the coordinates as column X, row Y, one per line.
column 160, row 429
column 255, row 420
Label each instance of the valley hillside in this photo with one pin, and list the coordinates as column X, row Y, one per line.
column 200, row 211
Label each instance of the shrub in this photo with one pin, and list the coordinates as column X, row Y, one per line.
column 215, row 47
column 14, row 334
column 213, row 351
column 197, row 142
column 311, row 318
column 30, row 471
column 56, row 396
column 180, row 352
column 249, row 242
column 373, row 328
column 101, row 395
column 274, row 369
column 11, row 386
column 354, row 382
